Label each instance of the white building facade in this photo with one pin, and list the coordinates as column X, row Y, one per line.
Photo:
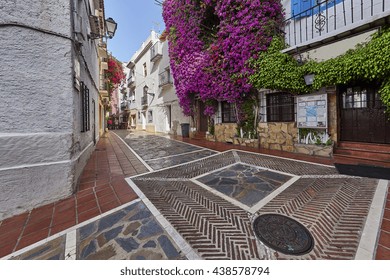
column 49, row 119
column 153, row 102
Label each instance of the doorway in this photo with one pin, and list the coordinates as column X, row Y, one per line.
column 363, row 116
column 202, row 118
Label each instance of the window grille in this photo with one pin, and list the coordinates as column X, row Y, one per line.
column 280, row 107
column 228, row 113
column 85, row 114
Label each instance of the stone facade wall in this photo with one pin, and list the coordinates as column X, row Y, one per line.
column 278, row 136
column 332, row 116
column 224, row 132
column 275, row 136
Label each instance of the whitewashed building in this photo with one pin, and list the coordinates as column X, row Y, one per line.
column 154, row 105
column 49, row 80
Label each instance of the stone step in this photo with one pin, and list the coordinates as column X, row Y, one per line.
column 383, row 148
column 358, row 160
column 364, row 154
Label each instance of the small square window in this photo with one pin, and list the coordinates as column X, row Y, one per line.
column 228, row 113
column 145, row 70
column 280, row 107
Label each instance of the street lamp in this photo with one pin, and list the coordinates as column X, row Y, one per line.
column 110, row 29
column 309, row 79
column 111, row 26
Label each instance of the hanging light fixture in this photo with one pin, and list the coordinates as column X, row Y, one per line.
column 111, row 26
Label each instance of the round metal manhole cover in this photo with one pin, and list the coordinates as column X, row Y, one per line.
column 283, row 234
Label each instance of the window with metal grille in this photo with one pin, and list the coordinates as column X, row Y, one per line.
column 85, row 115
column 228, row 113
column 150, row 116
column 280, row 107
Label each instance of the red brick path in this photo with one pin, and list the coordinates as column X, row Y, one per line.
column 102, row 187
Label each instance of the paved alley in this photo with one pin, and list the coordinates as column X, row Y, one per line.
column 147, row 196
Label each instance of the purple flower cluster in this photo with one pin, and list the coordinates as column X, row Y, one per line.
column 212, row 61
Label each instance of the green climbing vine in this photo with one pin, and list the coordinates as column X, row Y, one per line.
column 368, row 62
column 249, row 119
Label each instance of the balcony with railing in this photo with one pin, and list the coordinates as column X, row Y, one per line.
column 156, row 51
column 104, row 63
column 103, row 85
column 131, row 81
column 125, row 105
column 144, row 100
column 165, row 78
column 309, row 25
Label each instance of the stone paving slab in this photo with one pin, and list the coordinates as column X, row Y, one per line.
column 244, row 183
column 131, row 233
column 53, row 250
column 153, row 146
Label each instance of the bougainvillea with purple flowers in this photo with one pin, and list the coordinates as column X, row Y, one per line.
column 211, row 42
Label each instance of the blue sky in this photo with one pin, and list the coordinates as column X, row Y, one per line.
column 135, row 18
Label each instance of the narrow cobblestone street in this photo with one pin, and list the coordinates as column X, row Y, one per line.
column 147, row 196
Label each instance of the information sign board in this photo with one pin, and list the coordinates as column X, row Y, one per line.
column 312, row 111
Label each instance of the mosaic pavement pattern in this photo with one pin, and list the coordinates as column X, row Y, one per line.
column 333, row 207
column 160, row 152
column 131, row 233
column 53, row 250
column 244, row 183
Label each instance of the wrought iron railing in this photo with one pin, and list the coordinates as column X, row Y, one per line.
column 156, row 51
column 332, row 17
column 131, row 80
column 125, row 105
column 102, row 83
column 165, row 78
column 144, row 100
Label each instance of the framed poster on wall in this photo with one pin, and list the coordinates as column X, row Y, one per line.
column 312, row 111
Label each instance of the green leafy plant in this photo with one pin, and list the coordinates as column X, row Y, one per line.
column 249, row 117
column 368, row 62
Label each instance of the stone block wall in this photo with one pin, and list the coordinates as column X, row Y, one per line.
column 332, row 115
column 314, row 150
column 278, row 136
column 224, row 132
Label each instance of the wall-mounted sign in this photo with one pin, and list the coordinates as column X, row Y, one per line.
column 312, row 111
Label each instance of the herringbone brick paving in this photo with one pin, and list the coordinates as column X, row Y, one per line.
column 193, row 169
column 333, row 209
column 283, row 165
column 214, row 227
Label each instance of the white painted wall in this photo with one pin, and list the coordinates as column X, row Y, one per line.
column 42, row 151
column 163, row 96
